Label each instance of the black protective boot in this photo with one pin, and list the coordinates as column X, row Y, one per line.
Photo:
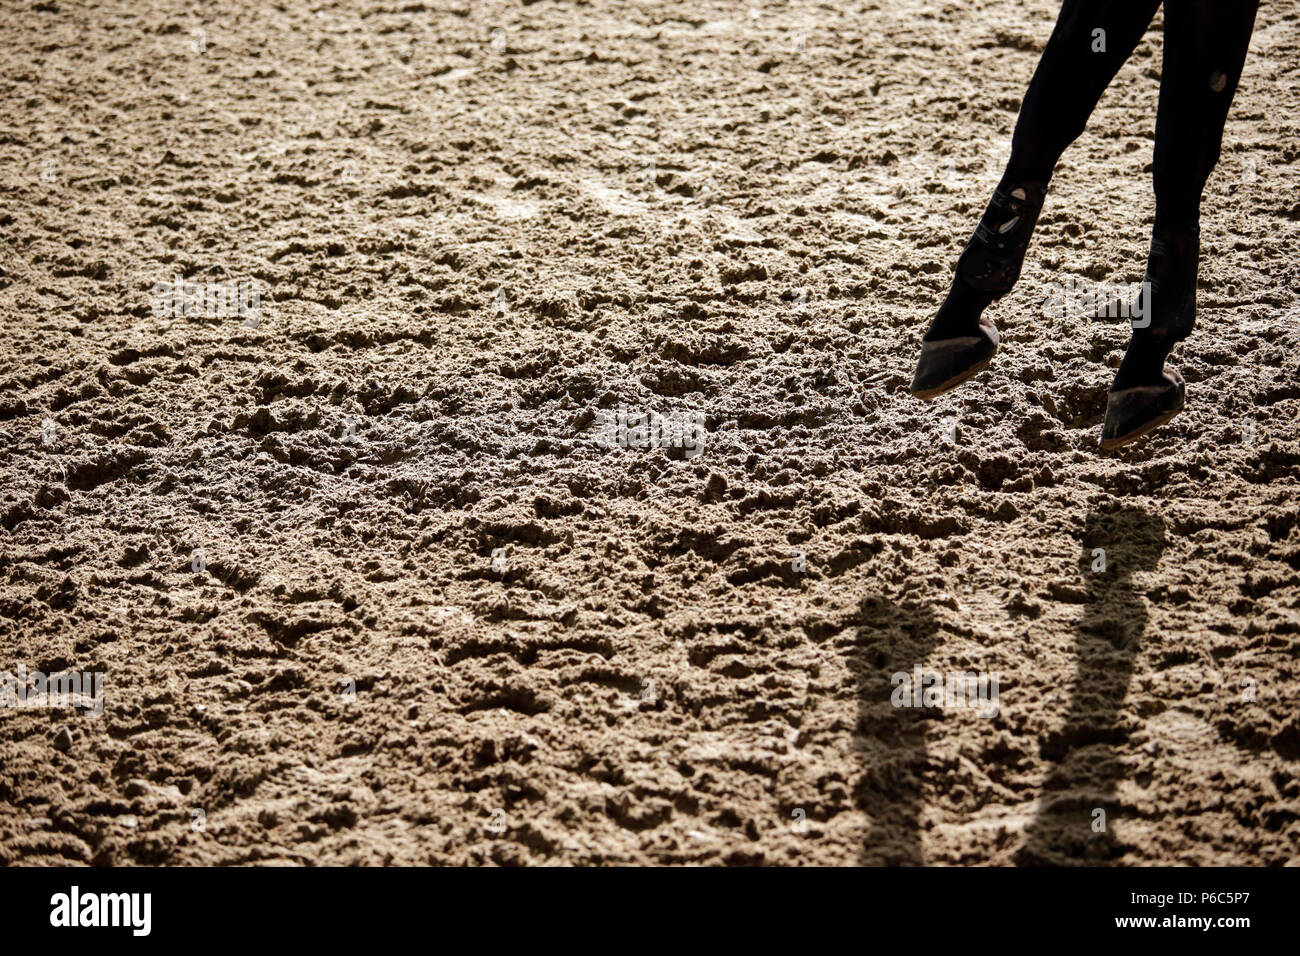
column 961, row 341
column 1146, row 392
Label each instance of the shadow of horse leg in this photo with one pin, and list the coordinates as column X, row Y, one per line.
column 893, row 638
column 1072, row 821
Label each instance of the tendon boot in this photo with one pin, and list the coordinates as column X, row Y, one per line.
column 1146, row 392
column 961, row 341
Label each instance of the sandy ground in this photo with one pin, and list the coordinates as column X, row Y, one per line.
column 365, row 587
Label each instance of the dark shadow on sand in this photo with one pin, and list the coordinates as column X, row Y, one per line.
column 892, row 637
column 1085, row 749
